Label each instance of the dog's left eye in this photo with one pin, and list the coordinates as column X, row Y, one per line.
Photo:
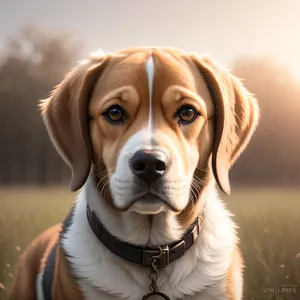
column 187, row 114
column 114, row 114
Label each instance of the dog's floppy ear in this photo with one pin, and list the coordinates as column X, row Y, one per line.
column 66, row 117
column 236, row 116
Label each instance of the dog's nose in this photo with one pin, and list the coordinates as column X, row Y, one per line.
column 149, row 165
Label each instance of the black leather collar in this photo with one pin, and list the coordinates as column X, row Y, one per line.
column 143, row 255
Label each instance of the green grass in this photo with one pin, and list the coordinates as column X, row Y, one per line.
column 269, row 221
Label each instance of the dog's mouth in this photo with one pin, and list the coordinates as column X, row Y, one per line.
column 149, row 203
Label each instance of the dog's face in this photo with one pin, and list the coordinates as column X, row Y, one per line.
column 154, row 123
column 148, row 124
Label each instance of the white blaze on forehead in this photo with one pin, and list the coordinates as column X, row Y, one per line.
column 150, row 76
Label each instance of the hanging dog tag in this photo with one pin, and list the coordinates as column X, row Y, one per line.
column 160, row 294
column 153, row 275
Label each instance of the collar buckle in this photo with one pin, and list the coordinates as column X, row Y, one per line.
column 161, row 262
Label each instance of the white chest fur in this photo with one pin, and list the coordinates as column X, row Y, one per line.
column 199, row 274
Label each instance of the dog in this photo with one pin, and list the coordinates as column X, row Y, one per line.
column 150, row 134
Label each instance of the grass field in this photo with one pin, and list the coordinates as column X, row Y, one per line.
column 269, row 221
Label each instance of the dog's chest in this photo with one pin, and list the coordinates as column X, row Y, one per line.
column 199, row 274
column 108, row 277
column 216, row 292
column 186, row 279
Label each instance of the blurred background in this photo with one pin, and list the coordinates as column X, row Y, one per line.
column 258, row 40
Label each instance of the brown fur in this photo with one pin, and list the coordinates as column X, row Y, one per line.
column 64, row 285
column 31, row 262
column 226, row 107
column 236, row 117
column 229, row 115
column 237, row 265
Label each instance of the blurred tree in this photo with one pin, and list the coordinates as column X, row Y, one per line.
column 32, row 63
column 273, row 156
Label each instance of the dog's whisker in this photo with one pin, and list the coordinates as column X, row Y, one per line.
column 103, row 178
column 102, row 160
column 99, row 162
column 202, row 170
column 197, row 184
column 106, row 170
column 103, row 172
column 102, row 191
column 199, row 181
column 194, row 196
column 100, row 173
column 106, row 192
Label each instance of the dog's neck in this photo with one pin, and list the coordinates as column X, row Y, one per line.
column 207, row 261
column 135, row 228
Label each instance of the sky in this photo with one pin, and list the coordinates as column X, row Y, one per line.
column 226, row 29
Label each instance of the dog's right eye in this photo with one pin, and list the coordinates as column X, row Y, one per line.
column 187, row 114
column 114, row 114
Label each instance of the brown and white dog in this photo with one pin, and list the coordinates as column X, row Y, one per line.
column 147, row 133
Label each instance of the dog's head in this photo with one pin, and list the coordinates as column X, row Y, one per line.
column 156, row 125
